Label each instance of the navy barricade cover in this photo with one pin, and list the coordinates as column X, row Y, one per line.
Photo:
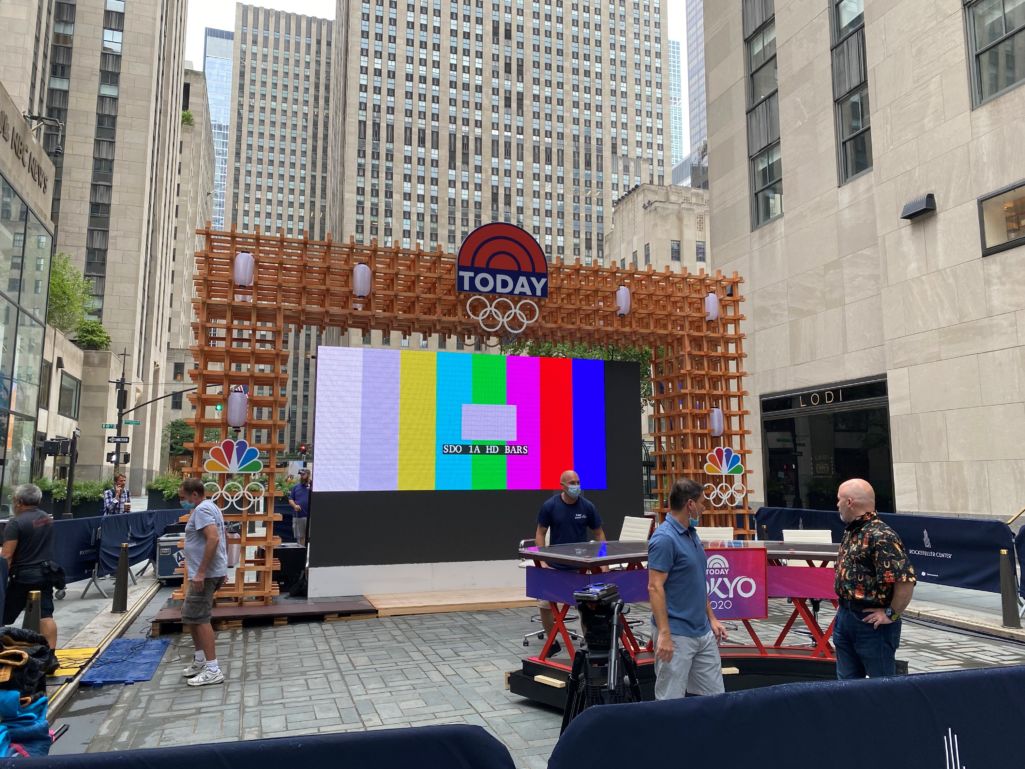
column 958, row 552
column 960, row 719
column 76, row 546
column 457, row 746
column 140, row 530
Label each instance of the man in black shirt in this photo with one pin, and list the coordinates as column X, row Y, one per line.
column 28, row 548
column 568, row 515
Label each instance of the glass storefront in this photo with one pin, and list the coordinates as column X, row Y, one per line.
column 26, row 247
column 814, row 440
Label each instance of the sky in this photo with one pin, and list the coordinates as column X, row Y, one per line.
column 220, row 14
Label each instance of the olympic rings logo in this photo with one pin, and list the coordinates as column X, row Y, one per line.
column 502, row 313
column 724, row 495
column 235, row 494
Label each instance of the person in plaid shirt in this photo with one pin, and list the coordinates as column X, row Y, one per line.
column 117, row 500
column 874, row 582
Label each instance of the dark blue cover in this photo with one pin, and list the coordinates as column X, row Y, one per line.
column 76, row 546
column 426, row 747
column 960, row 719
column 959, row 552
column 140, row 530
column 1019, row 548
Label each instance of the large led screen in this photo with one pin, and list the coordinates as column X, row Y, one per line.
column 391, row 420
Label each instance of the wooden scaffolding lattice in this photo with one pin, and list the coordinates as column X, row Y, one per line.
column 240, row 335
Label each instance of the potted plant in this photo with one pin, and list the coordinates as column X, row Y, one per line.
column 87, row 498
column 163, row 491
column 46, row 485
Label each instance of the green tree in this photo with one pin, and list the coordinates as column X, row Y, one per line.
column 187, row 117
column 641, row 355
column 178, row 432
column 69, row 295
column 92, row 335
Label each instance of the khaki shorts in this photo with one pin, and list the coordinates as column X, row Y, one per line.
column 197, row 606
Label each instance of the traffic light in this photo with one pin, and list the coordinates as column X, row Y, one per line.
column 219, row 408
column 302, row 448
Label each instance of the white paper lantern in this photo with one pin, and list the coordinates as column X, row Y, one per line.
column 715, row 422
column 361, row 280
column 238, row 408
column 622, row 300
column 243, row 269
column 712, row 306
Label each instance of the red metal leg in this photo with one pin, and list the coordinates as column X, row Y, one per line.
column 558, row 628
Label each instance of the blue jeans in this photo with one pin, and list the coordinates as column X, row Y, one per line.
column 862, row 650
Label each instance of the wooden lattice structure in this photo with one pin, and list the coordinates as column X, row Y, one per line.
column 240, row 335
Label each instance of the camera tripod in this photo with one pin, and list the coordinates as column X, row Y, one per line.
column 603, row 672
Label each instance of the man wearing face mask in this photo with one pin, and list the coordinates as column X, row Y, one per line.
column 874, row 582
column 569, row 515
column 206, row 559
column 687, row 632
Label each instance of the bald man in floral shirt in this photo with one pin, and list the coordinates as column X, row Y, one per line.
column 874, row 582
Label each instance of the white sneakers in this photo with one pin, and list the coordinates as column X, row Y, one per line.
column 206, row 678
column 194, row 669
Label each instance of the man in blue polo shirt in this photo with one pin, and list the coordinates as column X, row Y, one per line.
column 688, row 634
column 569, row 516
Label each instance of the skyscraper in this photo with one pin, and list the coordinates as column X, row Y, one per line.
column 217, row 63
column 698, row 161
column 114, row 194
column 25, row 53
column 277, row 169
column 677, row 143
column 448, row 115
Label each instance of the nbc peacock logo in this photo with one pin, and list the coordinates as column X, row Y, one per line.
column 723, row 461
column 233, row 457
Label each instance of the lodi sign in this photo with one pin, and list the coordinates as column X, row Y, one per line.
column 501, row 258
column 736, row 582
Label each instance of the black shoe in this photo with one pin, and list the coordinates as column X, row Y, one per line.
column 556, row 648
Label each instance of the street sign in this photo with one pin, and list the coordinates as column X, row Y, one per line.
column 132, row 422
column 117, row 439
column 109, row 426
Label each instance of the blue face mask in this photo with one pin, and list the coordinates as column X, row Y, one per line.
column 186, row 505
column 693, row 522
column 573, row 490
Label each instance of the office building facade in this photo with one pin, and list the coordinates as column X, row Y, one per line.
column 694, row 172
column 119, row 98
column 278, row 159
column 448, row 115
column 25, row 53
column 659, row 227
column 866, row 180
column 218, row 60
column 26, row 245
column 677, row 141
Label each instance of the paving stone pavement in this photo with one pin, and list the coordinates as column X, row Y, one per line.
column 395, row 672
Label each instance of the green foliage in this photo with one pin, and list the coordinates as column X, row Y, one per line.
column 82, row 491
column 284, row 485
column 187, row 117
column 45, row 484
column 167, row 484
column 92, row 335
column 178, row 432
column 69, row 295
column 641, row 355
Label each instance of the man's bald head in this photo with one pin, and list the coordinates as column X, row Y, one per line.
column 854, row 498
column 568, row 477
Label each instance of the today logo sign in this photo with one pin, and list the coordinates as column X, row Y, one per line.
column 501, row 258
column 735, row 579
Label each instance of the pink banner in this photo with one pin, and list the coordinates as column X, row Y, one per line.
column 801, row 582
column 736, row 582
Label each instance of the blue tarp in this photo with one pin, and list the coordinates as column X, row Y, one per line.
column 126, row 661
column 958, row 552
column 961, row 719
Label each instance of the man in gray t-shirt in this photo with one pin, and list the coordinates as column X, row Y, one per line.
column 206, row 563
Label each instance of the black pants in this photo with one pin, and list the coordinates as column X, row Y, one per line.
column 17, row 598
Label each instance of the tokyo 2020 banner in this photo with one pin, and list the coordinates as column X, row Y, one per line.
column 736, row 582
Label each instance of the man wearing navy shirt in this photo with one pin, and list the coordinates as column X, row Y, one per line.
column 568, row 515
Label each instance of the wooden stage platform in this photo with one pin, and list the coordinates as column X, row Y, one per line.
column 285, row 610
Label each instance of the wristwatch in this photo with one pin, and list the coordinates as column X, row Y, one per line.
column 891, row 614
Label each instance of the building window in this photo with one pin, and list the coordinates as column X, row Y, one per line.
column 850, row 88
column 44, row 385
column 996, row 37
column 674, row 250
column 67, row 403
column 112, row 41
column 700, row 251
column 768, row 185
column 1002, row 219
column 176, row 401
column 762, row 111
column 179, row 372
